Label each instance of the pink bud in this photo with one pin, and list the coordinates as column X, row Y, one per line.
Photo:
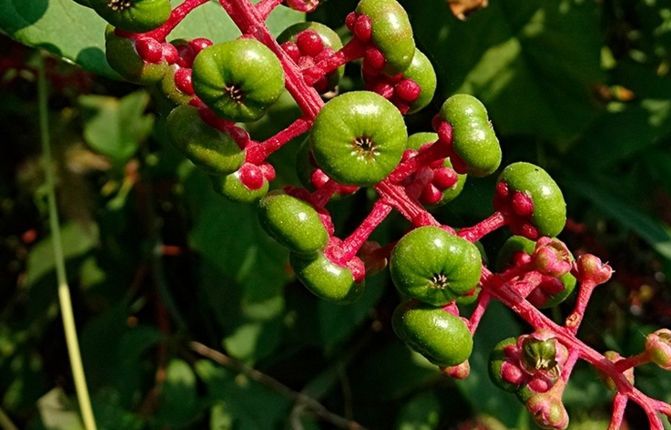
column 292, row 50
column 407, row 90
column 522, row 204
column 310, row 43
column 363, row 28
column 149, row 49
column 512, row 373
column 551, row 257
column 373, row 59
column 431, row 195
column 199, row 43
column 183, row 81
column 658, row 347
column 170, row 53
column 548, row 412
column 590, row 268
column 444, row 178
column 460, row 371
column 251, row 176
column 350, row 20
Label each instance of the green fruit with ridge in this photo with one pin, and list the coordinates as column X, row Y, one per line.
column 329, row 38
column 515, row 244
column 124, row 59
column 170, row 90
column 137, row 16
column 473, row 137
column 444, row 339
column 231, row 187
column 549, row 207
column 326, row 279
column 434, row 266
column 358, row 138
column 207, row 147
column 238, row 79
column 416, row 141
column 294, row 223
column 421, row 71
column 391, row 32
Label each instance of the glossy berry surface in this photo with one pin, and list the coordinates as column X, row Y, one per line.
column 435, row 333
column 474, row 142
column 326, row 279
column 391, row 32
column 434, row 266
column 133, row 15
column 358, row 138
column 232, row 187
column 122, row 56
column 206, row 147
column 238, row 79
column 293, row 223
column 549, row 207
column 421, row 72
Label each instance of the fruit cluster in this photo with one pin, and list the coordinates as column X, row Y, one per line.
column 359, row 139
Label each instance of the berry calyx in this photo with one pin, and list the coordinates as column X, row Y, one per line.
column 133, row 15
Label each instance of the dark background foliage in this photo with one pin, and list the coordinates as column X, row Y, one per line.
column 156, row 260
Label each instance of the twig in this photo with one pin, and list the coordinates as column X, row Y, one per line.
column 63, row 289
column 5, row 422
column 260, row 377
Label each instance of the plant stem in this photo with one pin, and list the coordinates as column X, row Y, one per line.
column 5, row 422
column 63, row 288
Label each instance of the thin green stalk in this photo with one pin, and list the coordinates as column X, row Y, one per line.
column 63, row 289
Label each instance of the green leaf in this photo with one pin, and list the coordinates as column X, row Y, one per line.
column 421, row 412
column 240, row 403
column 254, row 340
column 655, row 233
column 532, row 63
column 76, row 240
column 179, row 399
column 116, row 127
column 77, row 33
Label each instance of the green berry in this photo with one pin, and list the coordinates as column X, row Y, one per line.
column 124, row 59
column 434, row 266
column 170, row 90
column 294, row 223
column 474, row 140
column 421, row 71
column 435, row 333
column 358, row 138
column 416, row 141
column 206, row 147
column 231, row 187
column 516, row 244
column 329, row 38
column 549, row 207
column 137, row 16
column 391, row 32
column 326, row 279
column 238, row 79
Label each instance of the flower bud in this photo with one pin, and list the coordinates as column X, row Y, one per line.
column 460, row 371
column 551, row 257
column 548, row 411
column 658, row 346
column 589, row 267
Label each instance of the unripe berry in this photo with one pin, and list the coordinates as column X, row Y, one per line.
column 548, row 411
column 658, row 347
column 590, row 268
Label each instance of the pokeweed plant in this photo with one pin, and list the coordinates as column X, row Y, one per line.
column 358, row 140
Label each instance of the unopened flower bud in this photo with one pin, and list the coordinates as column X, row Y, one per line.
column 460, row 371
column 589, row 267
column 658, row 346
column 548, row 411
column 552, row 257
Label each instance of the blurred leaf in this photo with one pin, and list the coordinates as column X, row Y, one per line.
column 77, row 33
column 179, row 401
column 110, row 415
column 657, row 234
column 76, row 240
column 421, row 412
column 507, row 55
column 58, row 412
column 238, row 402
column 254, row 340
column 116, row 127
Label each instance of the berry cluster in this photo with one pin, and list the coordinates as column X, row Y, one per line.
column 359, row 139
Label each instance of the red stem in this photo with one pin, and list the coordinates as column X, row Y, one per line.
column 324, row 194
column 265, row 7
column 438, row 150
column 633, row 361
column 396, row 196
column 619, row 406
column 483, row 302
column 351, row 51
column 355, row 241
column 537, row 320
column 484, row 227
column 258, row 152
column 575, row 318
column 176, row 16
